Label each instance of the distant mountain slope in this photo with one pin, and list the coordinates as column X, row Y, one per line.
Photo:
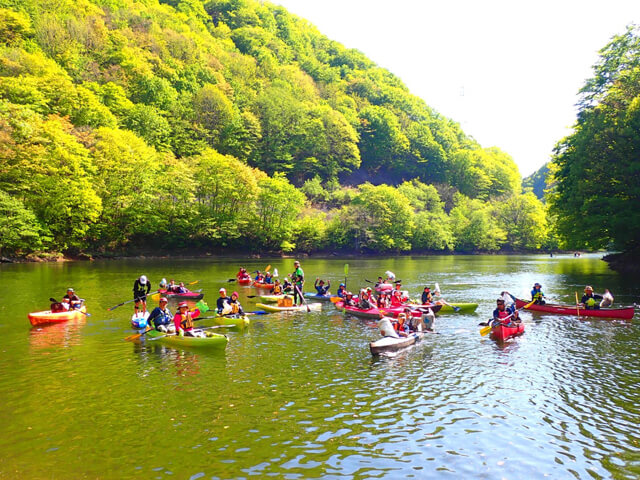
column 537, row 181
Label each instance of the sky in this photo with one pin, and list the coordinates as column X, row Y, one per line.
column 508, row 72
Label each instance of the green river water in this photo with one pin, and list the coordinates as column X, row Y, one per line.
column 299, row 395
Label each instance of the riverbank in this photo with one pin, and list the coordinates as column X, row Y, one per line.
column 624, row 262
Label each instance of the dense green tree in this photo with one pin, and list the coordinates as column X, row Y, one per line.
column 20, row 231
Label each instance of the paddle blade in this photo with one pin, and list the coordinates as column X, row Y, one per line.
column 155, row 297
column 268, row 268
column 346, row 269
column 202, row 306
column 335, row 299
column 529, row 304
column 485, row 330
column 275, row 272
column 193, row 283
column 231, row 280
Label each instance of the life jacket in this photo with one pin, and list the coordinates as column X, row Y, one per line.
column 590, row 303
column 234, row 307
column 277, row 290
column 186, row 322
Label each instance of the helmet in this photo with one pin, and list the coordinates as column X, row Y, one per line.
column 368, row 289
column 183, row 304
column 342, row 285
column 163, row 299
column 222, row 290
column 143, row 279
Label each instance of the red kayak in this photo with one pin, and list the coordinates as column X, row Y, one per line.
column 264, row 286
column 244, row 280
column 375, row 313
column 624, row 313
column 501, row 332
column 193, row 296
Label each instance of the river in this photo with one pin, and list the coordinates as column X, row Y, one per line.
column 299, row 395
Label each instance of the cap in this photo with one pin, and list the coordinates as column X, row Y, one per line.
column 537, row 284
column 500, row 300
column 143, row 279
column 296, row 262
column 427, row 288
column 163, row 299
column 235, row 293
column 222, row 290
column 183, row 304
column 70, row 289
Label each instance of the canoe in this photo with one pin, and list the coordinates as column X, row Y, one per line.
column 193, row 296
column 239, row 321
column 139, row 320
column 244, row 281
column 463, row 308
column 501, row 332
column 215, row 342
column 265, row 286
column 47, row 316
column 393, row 344
column 623, row 313
column 375, row 313
column 320, row 298
column 294, row 308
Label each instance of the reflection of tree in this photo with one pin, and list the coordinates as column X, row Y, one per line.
column 56, row 335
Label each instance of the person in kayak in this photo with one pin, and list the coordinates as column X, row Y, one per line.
column 505, row 315
column 536, row 294
column 172, row 287
column 287, row 286
column 607, row 299
column 321, row 288
column 379, row 282
column 342, row 290
column 363, row 300
column 183, row 321
column 427, row 296
column 425, row 322
column 234, row 304
column 383, row 300
column 222, row 301
column 589, row 299
column 401, row 326
column 141, row 288
column 242, row 274
column 268, row 278
column 72, row 299
column 182, row 288
column 297, row 277
column 396, row 298
column 277, row 288
column 161, row 317
column 259, row 277
column 348, row 300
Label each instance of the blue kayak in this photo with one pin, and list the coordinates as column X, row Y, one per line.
column 322, row 298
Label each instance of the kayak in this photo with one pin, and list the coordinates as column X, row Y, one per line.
column 239, row 321
column 139, row 320
column 47, row 316
column 623, row 313
column 376, row 313
column 244, row 281
column 293, row 308
column 462, row 308
column 393, row 344
column 193, row 296
column 321, row 298
column 265, row 286
column 216, row 341
column 274, row 298
column 501, row 332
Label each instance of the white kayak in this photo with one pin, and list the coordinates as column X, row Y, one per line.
column 294, row 308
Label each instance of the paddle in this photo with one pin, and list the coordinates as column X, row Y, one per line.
column 346, row 273
column 577, row 304
column 455, row 309
column 51, row 299
column 128, row 301
column 303, row 299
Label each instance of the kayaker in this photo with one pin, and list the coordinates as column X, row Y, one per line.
column 383, row 300
column 242, row 274
column 277, row 288
column 72, row 299
column 379, row 282
column 537, row 295
column 259, row 277
column 297, row 277
column 222, row 301
column 287, row 286
column 268, row 278
column 400, row 326
column 172, row 287
column 236, row 308
column 363, row 301
column 342, row 290
column 141, row 288
column 321, row 288
column 183, row 321
column 182, row 288
column 396, row 299
column 607, row 299
column 427, row 296
column 589, row 299
column 503, row 314
column 161, row 317
column 348, row 300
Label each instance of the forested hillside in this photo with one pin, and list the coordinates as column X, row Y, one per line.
column 597, row 169
column 537, row 181
column 230, row 124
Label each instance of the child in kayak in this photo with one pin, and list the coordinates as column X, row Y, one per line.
column 342, row 290
column 537, row 295
column 321, row 288
column 277, row 288
column 348, row 300
column 183, row 321
column 222, row 301
column 234, row 305
column 427, row 296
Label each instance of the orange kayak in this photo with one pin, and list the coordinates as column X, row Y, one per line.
column 47, row 316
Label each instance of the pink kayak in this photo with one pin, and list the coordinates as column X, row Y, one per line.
column 376, row 313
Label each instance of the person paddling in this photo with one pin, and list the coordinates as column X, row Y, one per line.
column 342, row 290
column 183, row 321
column 222, row 301
column 505, row 315
column 161, row 317
column 277, row 288
column 297, row 277
column 234, row 305
column 321, row 288
column 141, row 288
column 589, row 299
column 72, row 299
column 427, row 296
column 536, row 294
column 348, row 300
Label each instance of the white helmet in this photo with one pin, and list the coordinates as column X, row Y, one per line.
column 143, row 279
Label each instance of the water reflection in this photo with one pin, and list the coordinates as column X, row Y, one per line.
column 56, row 335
